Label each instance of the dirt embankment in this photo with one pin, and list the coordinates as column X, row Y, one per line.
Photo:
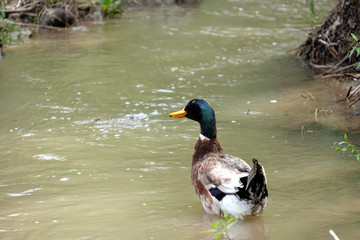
column 47, row 14
column 333, row 49
column 19, row 18
column 65, row 13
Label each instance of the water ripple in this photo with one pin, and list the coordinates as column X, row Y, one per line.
column 27, row 192
column 49, row 157
column 214, row 31
column 61, row 109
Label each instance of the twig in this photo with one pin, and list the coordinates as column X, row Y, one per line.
column 313, row 98
column 353, row 92
column 340, row 75
column 347, row 96
column 326, row 43
column 332, row 233
column 352, row 141
column 329, row 47
column 307, row 99
column 336, row 65
column 347, row 67
column 348, row 93
column 29, row 4
column 32, row 25
column 318, row 66
column 25, row 8
column 294, row 48
column 18, row 4
column 19, row 10
column 302, row 131
column 355, row 101
column 334, row 75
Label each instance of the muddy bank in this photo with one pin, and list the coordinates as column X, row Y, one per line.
column 56, row 13
column 333, row 50
column 69, row 12
column 20, row 18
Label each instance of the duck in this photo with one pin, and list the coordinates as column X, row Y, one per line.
column 223, row 183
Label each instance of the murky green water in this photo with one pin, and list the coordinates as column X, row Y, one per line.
column 127, row 174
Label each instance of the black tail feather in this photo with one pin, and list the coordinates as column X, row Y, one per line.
column 255, row 183
column 254, row 188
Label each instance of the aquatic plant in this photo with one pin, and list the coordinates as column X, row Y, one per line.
column 6, row 31
column 356, row 47
column 111, row 7
column 345, row 146
column 6, row 27
column 316, row 108
column 312, row 16
column 220, row 227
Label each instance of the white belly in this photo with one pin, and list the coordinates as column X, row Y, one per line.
column 234, row 206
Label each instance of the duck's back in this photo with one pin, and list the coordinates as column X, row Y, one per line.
column 222, row 182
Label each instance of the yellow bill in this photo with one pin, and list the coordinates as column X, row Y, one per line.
column 178, row 114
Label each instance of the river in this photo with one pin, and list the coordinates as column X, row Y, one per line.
column 89, row 152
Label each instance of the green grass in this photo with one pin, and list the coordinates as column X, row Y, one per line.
column 355, row 48
column 346, row 146
column 111, row 7
column 312, row 16
column 220, row 227
column 7, row 29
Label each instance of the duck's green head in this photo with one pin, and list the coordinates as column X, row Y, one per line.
column 199, row 110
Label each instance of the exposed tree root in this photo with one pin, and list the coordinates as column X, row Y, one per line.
column 328, row 47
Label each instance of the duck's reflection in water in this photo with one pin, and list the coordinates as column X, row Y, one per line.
column 250, row 228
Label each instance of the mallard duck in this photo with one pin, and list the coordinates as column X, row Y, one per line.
column 221, row 181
